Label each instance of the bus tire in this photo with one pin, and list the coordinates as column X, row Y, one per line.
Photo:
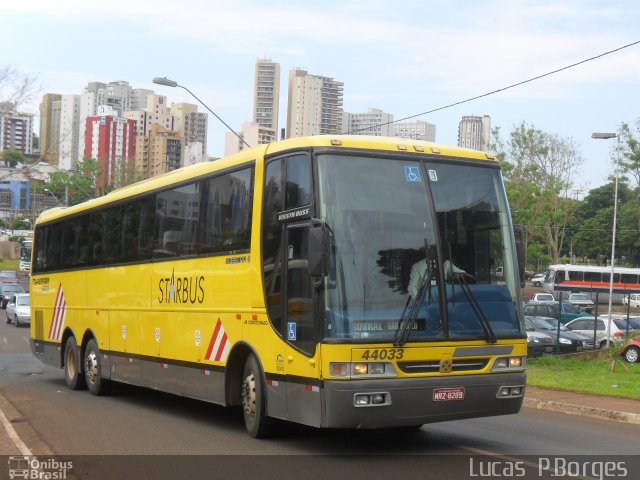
column 72, row 366
column 95, row 383
column 254, row 404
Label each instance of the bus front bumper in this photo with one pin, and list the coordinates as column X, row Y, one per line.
column 416, row 401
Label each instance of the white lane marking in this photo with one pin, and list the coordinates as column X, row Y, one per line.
column 13, row 435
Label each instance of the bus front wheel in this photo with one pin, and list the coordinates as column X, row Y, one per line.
column 96, row 384
column 72, row 371
column 254, row 405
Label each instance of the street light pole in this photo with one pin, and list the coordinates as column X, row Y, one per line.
column 607, row 136
column 172, row 83
column 53, row 195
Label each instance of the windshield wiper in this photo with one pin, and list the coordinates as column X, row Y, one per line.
column 475, row 306
column 414, row 304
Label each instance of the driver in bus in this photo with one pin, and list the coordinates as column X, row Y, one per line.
column 419, row 270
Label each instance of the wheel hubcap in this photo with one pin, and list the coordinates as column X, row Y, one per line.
column 249, row 395
column 91, row 367
column 632, row 355
column 71, row 363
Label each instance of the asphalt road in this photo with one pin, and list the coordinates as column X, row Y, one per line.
column 52, row 420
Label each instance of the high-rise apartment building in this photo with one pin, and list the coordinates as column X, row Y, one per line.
column 16, row 131
column 314, row 105
column 92, row 96
column 474, row 132
column 138, row 99
column 266, row 94
column 373, row 122
column 417, row 130
column 50, row 127
column 192, row 125
column 69, row 131
column 110, row 139
column 160, row 151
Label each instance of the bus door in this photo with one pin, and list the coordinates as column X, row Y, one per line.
column 302, row 357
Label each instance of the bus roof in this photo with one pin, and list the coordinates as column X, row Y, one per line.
column 200, row 169
column 592, row 268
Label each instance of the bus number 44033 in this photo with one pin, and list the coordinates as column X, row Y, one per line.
column 447, row 394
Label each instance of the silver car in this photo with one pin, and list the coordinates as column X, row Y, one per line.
column 586, row 326
column 19, row 309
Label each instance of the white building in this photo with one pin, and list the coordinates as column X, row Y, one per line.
column 69, row 131
column 314, row 105
column 250, row 132
column 16, row 131
column 266, row 93
column 373, row 122
column 417, row 130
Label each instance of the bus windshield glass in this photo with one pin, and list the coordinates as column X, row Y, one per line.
column 439, row 246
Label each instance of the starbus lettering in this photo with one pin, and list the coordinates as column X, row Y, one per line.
column 181, row 289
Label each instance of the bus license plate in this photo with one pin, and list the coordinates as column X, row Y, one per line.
column 448, row 394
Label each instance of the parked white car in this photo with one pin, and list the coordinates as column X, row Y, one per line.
column 19, row 309
column 538, row 279
column 633, row 299
column 542, row 298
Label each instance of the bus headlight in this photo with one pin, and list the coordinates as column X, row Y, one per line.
column 508, row 363
column 361, row 369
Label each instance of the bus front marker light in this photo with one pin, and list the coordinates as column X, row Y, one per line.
column 515, row 362
column 339, row 369
column 360, row 368
column 362, row 400
column 502, row 362
column 376, row 368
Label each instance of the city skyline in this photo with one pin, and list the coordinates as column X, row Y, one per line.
column 384, row 56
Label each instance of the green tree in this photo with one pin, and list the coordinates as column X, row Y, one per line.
column 539, row 168
column 11, row 157
column 78, row 185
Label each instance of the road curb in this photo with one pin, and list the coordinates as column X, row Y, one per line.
column 572, row 409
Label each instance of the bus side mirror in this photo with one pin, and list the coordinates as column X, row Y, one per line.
column 318, row 248
column 521, row 251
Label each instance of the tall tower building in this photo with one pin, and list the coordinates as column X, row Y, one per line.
column 92, row 96
column 474, row 132
column 69, row 129
column 314, row 105
column 50, row 127
column 192, row 125
column 266, row 94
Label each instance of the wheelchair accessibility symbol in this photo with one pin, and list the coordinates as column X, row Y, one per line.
column 412, row 174
column 291, row 330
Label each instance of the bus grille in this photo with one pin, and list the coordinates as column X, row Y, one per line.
column 433, row 366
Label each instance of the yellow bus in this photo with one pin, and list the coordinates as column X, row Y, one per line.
column 334, row 281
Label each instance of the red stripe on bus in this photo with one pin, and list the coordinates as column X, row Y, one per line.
column 213, row 340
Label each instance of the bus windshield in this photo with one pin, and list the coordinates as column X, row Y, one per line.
column 395, row 232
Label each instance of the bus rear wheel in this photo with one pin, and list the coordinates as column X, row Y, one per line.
column 96, row 384
column 254, row 405
column 72, row 366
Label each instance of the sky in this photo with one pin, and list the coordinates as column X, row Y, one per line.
column 402, row 56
